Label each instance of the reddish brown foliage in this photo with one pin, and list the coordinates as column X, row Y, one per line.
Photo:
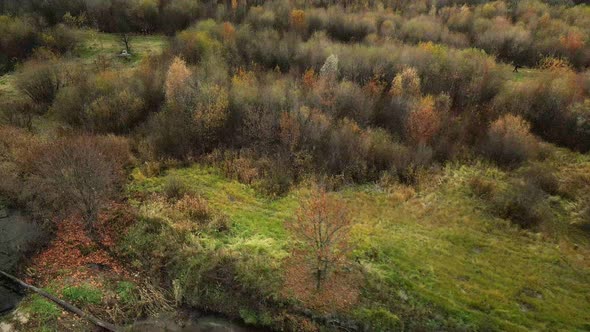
column 298, row 19
column 423, row 123
column 71, row 251
column 290, row 131
column 229, row 32
column 572, row 42
column 322, row 225
column 79, row 174
column 338, row 294
column 310, row 78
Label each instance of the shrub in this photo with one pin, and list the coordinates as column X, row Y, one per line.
column 193, row 207
column 551, row 104
column 168, row 134
column 379, row 320
column 174, row 188
column 543, row 177
column 584, row 222
column 422, row 28
column 40, row 81
column 481, row 187
column 178, row 14
column 18, row 38
column 194, row 46
column 350, row 101
column 150, row 75
column 178, row 89
column 60, row 39
column 402, row 161
column 406, row 84
column 260, row 18
column 423, row 122
column 71, row 174
column 344, row 152
column 521, row 204
column 381, row 152
column 509, row 141
column 298, row 20
column 347, row 28
column 18, row 113
column 266, row 47
column 70, row 104
column 116, row 112
column 210, row 114
column 275, row 177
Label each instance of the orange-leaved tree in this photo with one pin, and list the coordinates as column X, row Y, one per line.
column 322, row 225
column 423, row 122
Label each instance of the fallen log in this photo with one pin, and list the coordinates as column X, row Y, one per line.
column 63, row 304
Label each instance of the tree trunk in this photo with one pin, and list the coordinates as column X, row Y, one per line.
column 63, row 304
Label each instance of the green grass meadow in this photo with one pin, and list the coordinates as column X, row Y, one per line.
column 440, row 247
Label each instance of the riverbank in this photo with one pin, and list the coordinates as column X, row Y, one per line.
column 71, row 267
column 19, row 236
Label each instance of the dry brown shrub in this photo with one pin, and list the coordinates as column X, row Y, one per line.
column 509, row 140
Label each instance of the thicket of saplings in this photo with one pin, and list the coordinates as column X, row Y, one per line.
column 519, row 32
column 290, row 92
column 277, row 93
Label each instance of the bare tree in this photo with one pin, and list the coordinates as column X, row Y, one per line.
column 125, row 39
column 323, row 226
column 79, row 174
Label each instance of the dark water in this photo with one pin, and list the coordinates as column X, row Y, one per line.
column 18, row 235
column 193, row 324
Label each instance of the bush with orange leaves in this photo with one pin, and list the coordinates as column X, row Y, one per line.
column 423, row 122
column 509, row 140
column 322, row 225
column 298, row 20
column 229, row 32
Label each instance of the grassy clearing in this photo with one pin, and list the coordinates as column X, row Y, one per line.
column 94, row 45
column 7, row 89
column 98, row 44
column 251, row 213
column 526, row 74
column 440, row 251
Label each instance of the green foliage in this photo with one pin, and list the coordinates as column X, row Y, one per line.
column 174, row 188
column 126, row 291
column 422, row 285
column 379, row 320
column 43, row 309
column 84, row 294
column 194, row 44
column 253, row 318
